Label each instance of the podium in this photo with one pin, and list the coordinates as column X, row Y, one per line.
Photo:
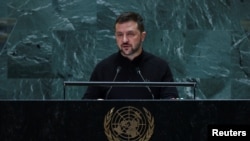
column 89, row 120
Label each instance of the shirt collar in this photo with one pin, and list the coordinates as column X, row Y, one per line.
column 125, row 61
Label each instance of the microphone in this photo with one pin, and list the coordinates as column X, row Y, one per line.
column 118, row 69
column 150, row 91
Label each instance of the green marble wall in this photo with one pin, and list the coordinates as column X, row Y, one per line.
column 43, row 43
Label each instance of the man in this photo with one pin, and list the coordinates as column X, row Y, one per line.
column 131, row 64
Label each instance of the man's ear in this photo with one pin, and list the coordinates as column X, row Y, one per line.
column 143, row 35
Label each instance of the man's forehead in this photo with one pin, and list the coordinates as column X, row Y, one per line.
column 130, row 25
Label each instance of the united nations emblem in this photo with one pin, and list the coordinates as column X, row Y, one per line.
column 128, row 124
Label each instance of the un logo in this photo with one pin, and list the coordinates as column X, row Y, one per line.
column 128, row 124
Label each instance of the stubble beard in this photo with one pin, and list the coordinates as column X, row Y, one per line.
column 132, row 50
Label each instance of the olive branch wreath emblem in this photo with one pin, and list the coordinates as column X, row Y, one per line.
column 111, row 137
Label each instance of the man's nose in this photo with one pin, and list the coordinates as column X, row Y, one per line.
column 125, row 39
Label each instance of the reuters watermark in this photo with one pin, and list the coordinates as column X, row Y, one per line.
column 219, row 131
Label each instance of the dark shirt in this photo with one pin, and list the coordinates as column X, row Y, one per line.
column 118, row 68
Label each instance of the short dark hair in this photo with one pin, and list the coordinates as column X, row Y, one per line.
column 131, row 16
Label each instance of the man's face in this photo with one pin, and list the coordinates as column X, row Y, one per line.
column 129, row 39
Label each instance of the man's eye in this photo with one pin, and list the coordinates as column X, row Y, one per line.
column 119, row 35
column 131, row 34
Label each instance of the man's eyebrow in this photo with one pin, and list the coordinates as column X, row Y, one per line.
column 125, row 32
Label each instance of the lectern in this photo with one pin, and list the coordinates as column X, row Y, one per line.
column 131, row 120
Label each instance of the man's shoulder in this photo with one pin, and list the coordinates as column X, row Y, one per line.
column 156, row 63
column 108, row 60
column 154, row 59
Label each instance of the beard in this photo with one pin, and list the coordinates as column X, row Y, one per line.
column 132, row 50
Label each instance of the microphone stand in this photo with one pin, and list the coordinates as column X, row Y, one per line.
column 118, row 69
column 139, row 72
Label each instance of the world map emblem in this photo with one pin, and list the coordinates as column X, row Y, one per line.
column 128, row 124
